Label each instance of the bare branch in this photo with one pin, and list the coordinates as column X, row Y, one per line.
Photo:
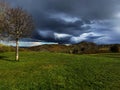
column 19, row 23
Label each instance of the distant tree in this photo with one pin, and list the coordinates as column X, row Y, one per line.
column 18, row 24
column 75, row 50
column 114, row 48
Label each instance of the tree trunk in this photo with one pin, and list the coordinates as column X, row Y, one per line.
column 17, row 50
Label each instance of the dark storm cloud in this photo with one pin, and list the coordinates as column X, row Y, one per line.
column 73, row 7
column 71, row 21
column 88, row 8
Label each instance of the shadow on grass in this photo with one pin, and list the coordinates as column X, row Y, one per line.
column 4, row 58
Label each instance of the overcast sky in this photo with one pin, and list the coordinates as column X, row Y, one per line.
column 73, row 21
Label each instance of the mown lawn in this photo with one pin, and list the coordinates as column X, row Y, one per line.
column 51, row 71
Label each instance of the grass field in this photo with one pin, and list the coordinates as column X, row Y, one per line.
column 51, row 71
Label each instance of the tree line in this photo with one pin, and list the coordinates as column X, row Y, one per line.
column 15, row 23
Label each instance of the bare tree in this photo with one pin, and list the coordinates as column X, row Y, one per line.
column 3, row 8
column 18, row 24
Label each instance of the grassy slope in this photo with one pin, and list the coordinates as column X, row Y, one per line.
column 50, row 71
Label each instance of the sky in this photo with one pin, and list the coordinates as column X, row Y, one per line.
column 73, row 21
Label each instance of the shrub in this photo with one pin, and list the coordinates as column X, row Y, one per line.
column 114, row 48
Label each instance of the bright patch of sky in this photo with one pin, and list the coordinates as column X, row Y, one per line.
column 26, row 44
column 65, row 17
column 84, row 37
column 61, row 35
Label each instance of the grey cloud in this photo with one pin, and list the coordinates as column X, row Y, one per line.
column 89, row 16
column 88, row 8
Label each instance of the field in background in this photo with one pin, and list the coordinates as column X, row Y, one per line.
column 51, row 71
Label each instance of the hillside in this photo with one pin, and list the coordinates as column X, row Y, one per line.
column 80, row 48
column 4, row 48
column 51, row 48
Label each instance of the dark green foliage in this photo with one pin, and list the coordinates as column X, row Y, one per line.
column 85, row 48
column 114, row 48
column 75, row 51
column 82, row 49
column 51, row 71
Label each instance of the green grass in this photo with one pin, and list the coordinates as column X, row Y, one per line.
column 51, row 71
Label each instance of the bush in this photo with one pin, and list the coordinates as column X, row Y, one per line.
column 114, row 48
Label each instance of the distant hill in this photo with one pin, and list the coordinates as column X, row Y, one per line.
column 80, row 48
column 50, row 48
column 4, row 48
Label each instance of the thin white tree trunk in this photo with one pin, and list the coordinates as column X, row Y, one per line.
column 17, row 50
